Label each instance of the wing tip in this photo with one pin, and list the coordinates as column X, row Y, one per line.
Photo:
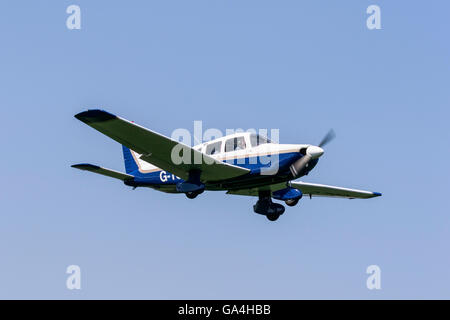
column 94, row 115
column 376, row 194
column 85, row 166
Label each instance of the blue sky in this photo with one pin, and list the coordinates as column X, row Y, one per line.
column 300, row 66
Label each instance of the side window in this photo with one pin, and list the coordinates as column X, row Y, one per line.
column 235, row 144
column 229, row 145
column 213, row 148
column 254, row 140
column 257, row 140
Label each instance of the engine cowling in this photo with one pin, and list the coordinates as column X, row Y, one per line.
column 300, row 167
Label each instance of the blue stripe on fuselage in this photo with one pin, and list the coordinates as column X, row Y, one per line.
column 254, row 164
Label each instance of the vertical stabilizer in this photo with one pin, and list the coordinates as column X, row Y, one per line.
column 130, row 163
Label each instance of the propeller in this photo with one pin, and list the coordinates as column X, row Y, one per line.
column 328, row 137
column 312, row 152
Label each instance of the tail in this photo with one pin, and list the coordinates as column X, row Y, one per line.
column 130, row 162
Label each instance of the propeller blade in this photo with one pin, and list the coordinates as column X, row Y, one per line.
column 328, row 137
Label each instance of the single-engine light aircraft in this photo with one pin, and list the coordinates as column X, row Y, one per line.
column 233, row 163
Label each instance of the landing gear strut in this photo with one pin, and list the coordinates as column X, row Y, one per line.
column 266, row 207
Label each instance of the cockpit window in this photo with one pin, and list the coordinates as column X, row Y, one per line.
column 213, row 148
column 256, row 140
column 235, row 144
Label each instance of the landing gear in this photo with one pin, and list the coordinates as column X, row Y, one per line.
column 273, row 217
column 291, row 202
column 191, row 195
column 266, row 207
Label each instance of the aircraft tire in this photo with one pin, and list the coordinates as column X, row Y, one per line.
column 291, row 202
column 192, row 195
column 273, row 216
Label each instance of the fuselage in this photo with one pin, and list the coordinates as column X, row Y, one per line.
column 267, row 162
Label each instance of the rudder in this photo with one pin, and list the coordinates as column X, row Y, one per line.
column 130, row 163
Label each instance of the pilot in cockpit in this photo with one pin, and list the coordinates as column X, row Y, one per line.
column 240, row 145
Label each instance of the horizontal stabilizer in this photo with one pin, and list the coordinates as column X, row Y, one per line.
column 103, row 171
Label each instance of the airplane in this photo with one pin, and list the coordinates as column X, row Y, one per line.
column 233, row 163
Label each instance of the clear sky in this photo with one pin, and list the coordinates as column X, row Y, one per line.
column 300, row 66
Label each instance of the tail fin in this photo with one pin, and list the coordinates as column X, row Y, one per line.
column 130, row 163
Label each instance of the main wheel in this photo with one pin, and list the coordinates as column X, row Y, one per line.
column 191, row 195
column 273, row 216
column 291, row 202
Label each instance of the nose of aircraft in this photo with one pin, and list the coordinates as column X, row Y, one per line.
column 314, row 151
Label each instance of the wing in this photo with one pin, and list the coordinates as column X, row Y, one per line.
column 103, row 171
column 157, row 149
column 313, row 189
column 310, row 189
column 255, row 191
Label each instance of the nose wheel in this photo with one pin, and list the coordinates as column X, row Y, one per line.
column 273, row 217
